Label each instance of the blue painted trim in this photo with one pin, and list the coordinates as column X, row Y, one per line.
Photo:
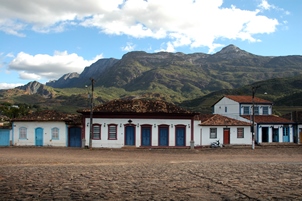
column 42, row 135
column 66, row 139
column 13, row 133
column 240, row 110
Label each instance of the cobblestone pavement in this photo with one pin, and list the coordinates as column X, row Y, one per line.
column 33, row 173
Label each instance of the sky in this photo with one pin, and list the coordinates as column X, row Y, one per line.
column 41, row 40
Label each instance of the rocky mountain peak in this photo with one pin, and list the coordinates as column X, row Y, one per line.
column 232, row 52
column 36, row 88
column 70, row 75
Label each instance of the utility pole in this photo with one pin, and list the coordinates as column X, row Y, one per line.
column 253, row 117
column 91, row 114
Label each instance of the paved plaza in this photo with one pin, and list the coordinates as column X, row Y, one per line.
column 237, row 173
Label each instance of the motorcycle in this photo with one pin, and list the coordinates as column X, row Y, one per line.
column 215, row 144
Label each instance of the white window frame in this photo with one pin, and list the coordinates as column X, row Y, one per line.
column 244, row 108
column 256, row 110
column 23, row 133
column 265, row 110
column 55, row 134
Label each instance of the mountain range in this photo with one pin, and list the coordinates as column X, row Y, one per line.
column 175, row 77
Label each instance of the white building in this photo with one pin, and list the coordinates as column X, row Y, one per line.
column 139, row 123
column 46, row 128
column 227, row 130
column 268, row 128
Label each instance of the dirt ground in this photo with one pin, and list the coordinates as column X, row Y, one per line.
column 236, row 173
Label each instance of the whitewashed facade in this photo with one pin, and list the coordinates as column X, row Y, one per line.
column 152, row 124
column 205, row 138
column 234, row 107
column 42, row 133
column 268, row 128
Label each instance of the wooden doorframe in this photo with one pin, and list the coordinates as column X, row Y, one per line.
column 226, row 136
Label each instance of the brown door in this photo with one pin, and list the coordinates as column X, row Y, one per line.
column 226, row 136
column 300, row 135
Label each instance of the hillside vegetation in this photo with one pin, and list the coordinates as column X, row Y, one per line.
column 194, row 81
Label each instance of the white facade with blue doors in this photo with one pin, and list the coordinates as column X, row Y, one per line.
column 39, row 133
column 139, row 132
column 274, row 133
column 268, row 127
column 5, row 137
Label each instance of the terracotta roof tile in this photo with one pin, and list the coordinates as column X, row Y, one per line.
column 269, row 119
column 138, row 106
column 248, row 99
column 47, row 115
column 219, row 120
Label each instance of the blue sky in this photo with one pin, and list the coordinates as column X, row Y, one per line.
column 43, row 40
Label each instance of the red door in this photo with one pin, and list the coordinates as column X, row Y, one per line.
column 226, row 136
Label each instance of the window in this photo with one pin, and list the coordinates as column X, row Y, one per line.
column 55, row 133
column 23, row 133
column 213, row 133
column 240, row 132
column 96, row 131
column 246, row 110
column 256, row 110
column 265, row 110
column 225, row 109
column 112, row 132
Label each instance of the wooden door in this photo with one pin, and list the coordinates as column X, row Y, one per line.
column 163, row 136
column 285, row 134
column 75, row 137
column 129, row 135
column 180, row 136
column 146, row 136
column 226, row 136
column 4, row 137
column 39, row 137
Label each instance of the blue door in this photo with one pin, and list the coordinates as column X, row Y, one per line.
column 146, row 136
column 39, row 137
column 129, row 135
column 180, row 136
column 75, row 137
column 163, row 136
column 286, row 134
column 4, row 137
column 275, row 135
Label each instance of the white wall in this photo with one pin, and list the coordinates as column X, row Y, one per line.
column 270, row 131
column 206, row 140
column 119, row 142
column 233, row 109
column 46, row 126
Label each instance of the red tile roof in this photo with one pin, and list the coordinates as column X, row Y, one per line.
column 248, row 99
column 137, row 106
column 49, row 115
column 269, row 119
column 219, row 120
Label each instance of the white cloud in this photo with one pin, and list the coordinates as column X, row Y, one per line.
column 129, row 47
column 169, row 48
column 44, row 66
column 184, row 23
column 265, row 5
column 9, row 85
